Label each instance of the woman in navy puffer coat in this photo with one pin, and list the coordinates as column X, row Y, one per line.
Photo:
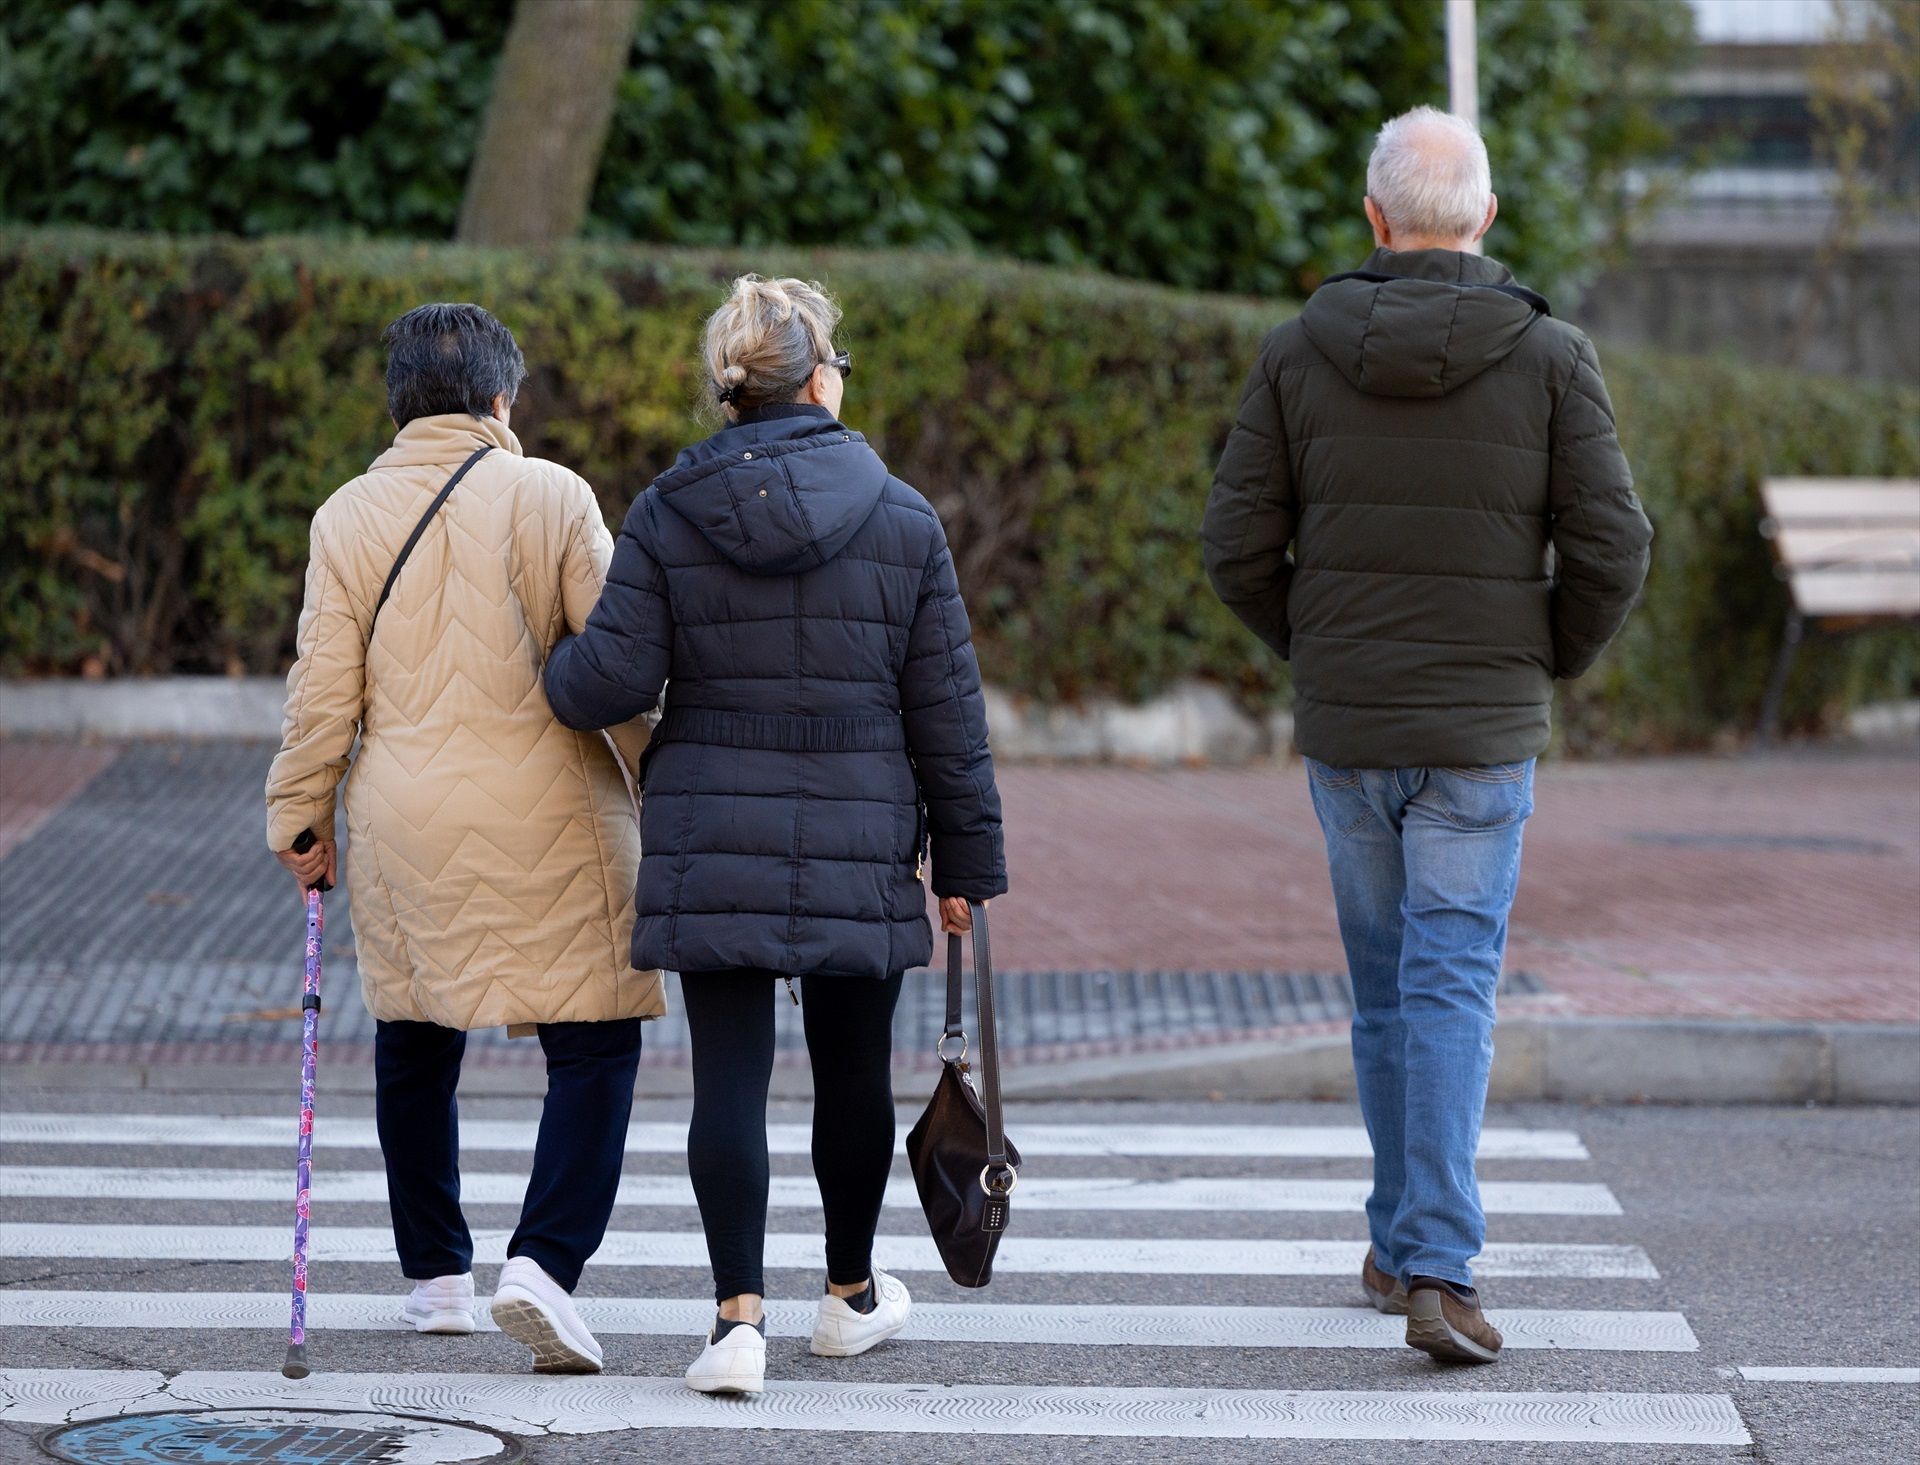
column 823, row 733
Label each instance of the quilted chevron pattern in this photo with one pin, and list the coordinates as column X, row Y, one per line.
column 493, row 850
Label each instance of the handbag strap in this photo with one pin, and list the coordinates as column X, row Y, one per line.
column 421, row 528
column 999, row 1176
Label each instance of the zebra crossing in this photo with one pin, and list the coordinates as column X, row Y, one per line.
column 1246, row 1259
column 797, row 1192
column 652, row 1137
column 1064, row 1324
column 1148, row 1256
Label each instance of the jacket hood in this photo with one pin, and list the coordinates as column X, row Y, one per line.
column 1420, row 323
column 779, row 492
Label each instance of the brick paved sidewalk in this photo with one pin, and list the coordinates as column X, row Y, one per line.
column 1783, row 888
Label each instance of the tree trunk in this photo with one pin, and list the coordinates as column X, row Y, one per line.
column 547, row 121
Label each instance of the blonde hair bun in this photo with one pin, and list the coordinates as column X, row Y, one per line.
column 763, row 343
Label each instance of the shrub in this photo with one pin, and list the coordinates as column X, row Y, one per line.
column 1212, row 144
column 175, row 409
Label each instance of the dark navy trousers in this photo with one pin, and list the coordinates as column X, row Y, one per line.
column 576, row 1158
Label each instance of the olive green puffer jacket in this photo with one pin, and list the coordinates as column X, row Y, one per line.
column 1423, row 505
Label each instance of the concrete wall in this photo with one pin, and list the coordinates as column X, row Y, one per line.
column 1739, row 291
column 1194, row 723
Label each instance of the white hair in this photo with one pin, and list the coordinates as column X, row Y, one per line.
column 1429, row 176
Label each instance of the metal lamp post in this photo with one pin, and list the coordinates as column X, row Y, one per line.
column 1463, row 68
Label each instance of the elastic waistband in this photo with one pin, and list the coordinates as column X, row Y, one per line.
column 781, row 734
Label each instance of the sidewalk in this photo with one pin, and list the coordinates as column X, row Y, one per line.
column 1784, row 888
column 1183, row 915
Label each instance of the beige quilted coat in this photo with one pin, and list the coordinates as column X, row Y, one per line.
column 492, row 851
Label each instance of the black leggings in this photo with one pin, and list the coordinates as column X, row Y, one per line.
column 849, row 1026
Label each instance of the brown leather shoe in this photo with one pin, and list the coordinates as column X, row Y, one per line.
column 1387, row 1294
column 1451, row 1328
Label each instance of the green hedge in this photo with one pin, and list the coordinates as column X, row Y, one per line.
column 171, row 412
column 1216, row 144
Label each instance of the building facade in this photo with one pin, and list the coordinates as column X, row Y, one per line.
column 1754, row 243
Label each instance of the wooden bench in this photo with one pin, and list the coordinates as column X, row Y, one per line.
column 1849, row 550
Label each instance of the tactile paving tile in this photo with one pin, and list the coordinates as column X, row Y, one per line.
column 162, row 857
column 257, row 1002
column 147, row 910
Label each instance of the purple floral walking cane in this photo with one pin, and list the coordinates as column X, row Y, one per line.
column 296, row 1365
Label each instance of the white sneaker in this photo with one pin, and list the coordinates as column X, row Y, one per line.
column 840, row 1332
column 533, row 1309
column 444, row 1305
column 735, row 1364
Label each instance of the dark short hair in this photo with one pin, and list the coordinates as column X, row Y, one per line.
column 450, row 358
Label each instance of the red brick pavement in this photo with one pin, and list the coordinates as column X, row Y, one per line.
column 36, row 779
column 1219, row 869
column 1222, row 869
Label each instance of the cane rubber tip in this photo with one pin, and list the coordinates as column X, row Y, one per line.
column 296, row 1365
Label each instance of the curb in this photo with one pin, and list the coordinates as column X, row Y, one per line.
column 145, row 707
column 355, row 1077
column 1194, row 722
column 1564, row 1060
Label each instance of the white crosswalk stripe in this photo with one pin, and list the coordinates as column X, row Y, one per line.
column 1168, row 1256
column 1788, row 1375
column 788, row 1192
column 533, row 1405
column 1160, row 1212
column 1242, row 1141
column 1068, row 1324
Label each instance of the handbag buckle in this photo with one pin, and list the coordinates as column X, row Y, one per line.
column 993, row 1215
column 999, row 1191
column 940, row 1049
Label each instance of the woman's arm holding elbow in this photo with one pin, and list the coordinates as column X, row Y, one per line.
column 612, row 671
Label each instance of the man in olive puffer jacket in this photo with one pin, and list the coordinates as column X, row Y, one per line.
column 1423, row 506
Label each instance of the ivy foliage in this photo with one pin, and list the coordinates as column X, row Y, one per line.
column 193, row 115
column 176, row 409
column 1215, row 144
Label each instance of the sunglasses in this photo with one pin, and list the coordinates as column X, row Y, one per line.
column 843, row 363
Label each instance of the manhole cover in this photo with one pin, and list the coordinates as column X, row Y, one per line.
column 279, row 1436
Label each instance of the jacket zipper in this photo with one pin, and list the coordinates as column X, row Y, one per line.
column 920, row 833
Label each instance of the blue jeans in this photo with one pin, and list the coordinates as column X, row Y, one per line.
column 1424, row 864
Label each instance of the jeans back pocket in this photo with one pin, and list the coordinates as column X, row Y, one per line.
column 1339, row 797
column 1489, row 796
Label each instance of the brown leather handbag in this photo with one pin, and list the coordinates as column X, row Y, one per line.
column 963, row 1163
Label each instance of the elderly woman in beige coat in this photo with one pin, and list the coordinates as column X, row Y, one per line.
column 493, row 850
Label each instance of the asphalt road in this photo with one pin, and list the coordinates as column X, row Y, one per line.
column 1782, row 1238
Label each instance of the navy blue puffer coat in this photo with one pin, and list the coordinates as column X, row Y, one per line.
column 823, row 718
